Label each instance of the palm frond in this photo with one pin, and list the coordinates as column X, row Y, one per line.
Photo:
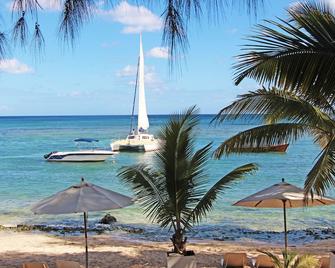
column 277, row 105
column 3, row 45
column 31, row 6
column 205, row 204
column 321, row 177
column 306, row 261
column 275, row 259
column 174, row 32
column 266, row 135
column 196, row 178
column 296, row 54
column 175, row 157
column 292, row 260
column 38, row 39
column 75, row 13
column 149, row 189
column 20, row 30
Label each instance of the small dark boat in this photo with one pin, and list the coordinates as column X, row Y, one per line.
column 280, row 148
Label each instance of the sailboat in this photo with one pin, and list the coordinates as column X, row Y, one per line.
column 138, row 140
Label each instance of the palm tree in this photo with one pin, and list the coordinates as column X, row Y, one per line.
column 293, row 260
column 296, row 54
column 176, row 16
column 289, row 115
column 173, row 191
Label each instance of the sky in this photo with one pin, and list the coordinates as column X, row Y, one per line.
column 97, row 76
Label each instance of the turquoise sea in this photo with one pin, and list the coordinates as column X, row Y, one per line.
column 26, row 178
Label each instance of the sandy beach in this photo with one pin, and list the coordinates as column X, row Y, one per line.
column 107, row 251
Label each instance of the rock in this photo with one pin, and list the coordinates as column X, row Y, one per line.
column 24, row 227
column 108, row 219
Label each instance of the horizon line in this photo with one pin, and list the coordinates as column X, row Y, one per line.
column 88, row 115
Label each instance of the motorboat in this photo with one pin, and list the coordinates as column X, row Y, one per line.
column 139, row 139
column 92, row 154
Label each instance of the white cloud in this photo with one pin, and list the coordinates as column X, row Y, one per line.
column 159, row 52
column 128, row 70
column 136, row 19
column 48, row 5
column 151, row 78
column 13, row 66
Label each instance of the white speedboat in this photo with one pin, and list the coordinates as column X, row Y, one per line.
column 138, row 140
column 83, row 155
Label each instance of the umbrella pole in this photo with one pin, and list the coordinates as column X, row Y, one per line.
column 285, row 226
column 85, row 230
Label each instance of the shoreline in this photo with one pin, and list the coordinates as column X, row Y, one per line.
column 201, row 233
column 107, row 250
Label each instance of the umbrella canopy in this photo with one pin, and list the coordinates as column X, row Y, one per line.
column 273, row 197
column 283, row 195
column 83, row 197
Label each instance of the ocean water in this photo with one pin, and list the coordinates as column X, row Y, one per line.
column 25, row 178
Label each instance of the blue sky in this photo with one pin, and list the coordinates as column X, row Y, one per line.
column 96, row 77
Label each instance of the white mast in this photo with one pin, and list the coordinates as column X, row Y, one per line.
column 143, row 121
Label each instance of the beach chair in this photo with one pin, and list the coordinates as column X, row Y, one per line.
column 324, row 262
column 264, row 261
column 68, row 264
column 35, row 265
column 235, row 260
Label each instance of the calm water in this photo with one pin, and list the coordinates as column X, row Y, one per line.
column 25, row 177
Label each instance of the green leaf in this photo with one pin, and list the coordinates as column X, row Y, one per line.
column 295, row 54
column 262, row 136
column 206, row 203
column 321, row 177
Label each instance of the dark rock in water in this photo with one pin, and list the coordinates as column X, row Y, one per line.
column 107, row 219
column 24, row 227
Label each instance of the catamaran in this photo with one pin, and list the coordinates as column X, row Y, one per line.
column 138, row 140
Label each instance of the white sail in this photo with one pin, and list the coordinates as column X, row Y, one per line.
column 143, row 121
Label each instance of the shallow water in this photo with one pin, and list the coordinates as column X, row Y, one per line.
column 26, row 178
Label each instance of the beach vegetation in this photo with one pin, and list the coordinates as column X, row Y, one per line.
column 294, row 54
column 288, row 117
column 295, row 58
column 293, row 260
column 173, row 189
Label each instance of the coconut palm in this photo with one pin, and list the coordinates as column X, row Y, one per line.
column 173, row 191
column 293, row 260
column 297, row 53
column 176, row 15
column 288, row 116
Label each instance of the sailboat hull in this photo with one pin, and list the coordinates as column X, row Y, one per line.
column 130, row 148
column 137, row 143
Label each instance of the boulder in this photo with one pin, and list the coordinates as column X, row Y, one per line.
column 108, row 219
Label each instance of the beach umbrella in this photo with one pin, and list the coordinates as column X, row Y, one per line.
column 283, row 195
column 82, row 198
